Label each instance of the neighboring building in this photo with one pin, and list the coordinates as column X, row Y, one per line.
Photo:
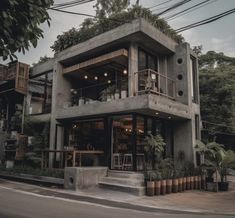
column 111, row 90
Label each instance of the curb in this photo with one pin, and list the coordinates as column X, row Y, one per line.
column 35, row 180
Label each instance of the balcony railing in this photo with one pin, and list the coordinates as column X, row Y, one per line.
column 150, row 81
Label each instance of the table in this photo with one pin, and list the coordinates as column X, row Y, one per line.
column 65, row 153
column 80, row 152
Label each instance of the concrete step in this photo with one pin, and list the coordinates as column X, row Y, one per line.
column 135, row 190
column 123, row 181
column 125, row 174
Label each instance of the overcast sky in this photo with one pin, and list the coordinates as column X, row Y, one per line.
column 218, row 36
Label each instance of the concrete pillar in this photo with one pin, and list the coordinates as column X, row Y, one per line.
column 132, row 68
column 184, row 139
column 60, row 95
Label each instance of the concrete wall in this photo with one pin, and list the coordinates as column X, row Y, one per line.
column 76, row 178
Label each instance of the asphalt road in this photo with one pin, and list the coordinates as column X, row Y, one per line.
column 15, row 203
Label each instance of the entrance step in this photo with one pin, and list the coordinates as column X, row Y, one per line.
column 130, row 182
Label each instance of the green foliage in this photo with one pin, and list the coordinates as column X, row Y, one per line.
column 20, row 21
column 154, row 148
column 217, row 92
column 110, row 19
column 165, row 168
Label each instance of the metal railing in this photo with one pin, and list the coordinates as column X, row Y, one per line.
column 150, row 81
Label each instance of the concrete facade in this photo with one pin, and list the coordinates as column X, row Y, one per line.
column 173, row 61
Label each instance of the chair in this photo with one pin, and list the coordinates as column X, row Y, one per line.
column 127, row 162
column 117, row 161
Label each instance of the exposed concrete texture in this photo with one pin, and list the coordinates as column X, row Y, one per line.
column 183, row 139
column 43, row 67
column 83, row 177
column 129, row 32
column 142, row 102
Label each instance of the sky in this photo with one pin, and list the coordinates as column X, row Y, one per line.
column 218, row 36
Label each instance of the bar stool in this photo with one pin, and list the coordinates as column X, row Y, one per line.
column 140, row 160
column 127, row 162
column 117, row 161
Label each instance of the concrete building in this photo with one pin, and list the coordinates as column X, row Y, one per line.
column 113, row 89
column 107, row 93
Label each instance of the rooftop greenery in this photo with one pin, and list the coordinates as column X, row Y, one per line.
column 94, row 26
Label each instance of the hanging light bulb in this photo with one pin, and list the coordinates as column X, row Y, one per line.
column 96, row 77
column 109, row 81
column 125, row 72
column 86, row 77
column 105, row 74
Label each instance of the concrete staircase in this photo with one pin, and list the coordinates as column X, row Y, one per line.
column 124, row 181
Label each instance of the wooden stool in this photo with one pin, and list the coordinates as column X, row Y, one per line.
column 127, row 162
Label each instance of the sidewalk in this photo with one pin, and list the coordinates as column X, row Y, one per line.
column 200, row 202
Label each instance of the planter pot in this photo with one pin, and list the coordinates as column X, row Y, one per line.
column 212, row 186
column 9, row 164
column 195, row 182
column 116, row 96
column 184, row 184
column 188, row 183
column 180, row 180
column 223, row 186
column 123, row 94
column 203, row 182
column 199, row 182
column 168, row 186
column 175, row 185
column 191, row 182
column 163, row 187
column 150, row 188
column 81, row 101
column 157, row 187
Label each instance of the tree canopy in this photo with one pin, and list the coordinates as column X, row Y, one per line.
column 109, row 15
column 20, row 21
column 217, row 93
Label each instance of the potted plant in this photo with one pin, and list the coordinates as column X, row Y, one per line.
column 166, row 167
column 153, row 149
column 158, row 178
column 150, row 177
column 107, row 94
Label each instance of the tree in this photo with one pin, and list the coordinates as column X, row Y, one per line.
column 19, row 21
column 217, row 96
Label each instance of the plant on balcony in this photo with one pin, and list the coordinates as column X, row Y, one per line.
column 107, row 94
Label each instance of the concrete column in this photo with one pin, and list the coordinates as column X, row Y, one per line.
column 60, row 94
column 132, row 68
column 184, row 139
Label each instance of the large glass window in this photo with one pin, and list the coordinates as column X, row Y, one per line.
column 194, row 79
column 147, row 61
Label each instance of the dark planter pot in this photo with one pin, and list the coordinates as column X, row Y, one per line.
column 175, row 185
column 195, row 182
column 157, row 187
column 150, row 188
column 188, row 183
column 163, row 187
column 223, row 186
column 180, row 180
column 203, row 182
column 168, row 186
column 199, row 182
column 191, row 182
column 184, row 183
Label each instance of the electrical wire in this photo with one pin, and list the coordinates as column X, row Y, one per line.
column 160, row 4
column 187, row 9
column 70, row 4
column 176, row 5
column 205, row 21
column 213, row 1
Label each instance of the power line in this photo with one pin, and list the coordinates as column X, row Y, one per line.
column 205, row 21
column 187, row 9
column 160, row 4
column 192, row 10
column 71, row 4
column 176, row 5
